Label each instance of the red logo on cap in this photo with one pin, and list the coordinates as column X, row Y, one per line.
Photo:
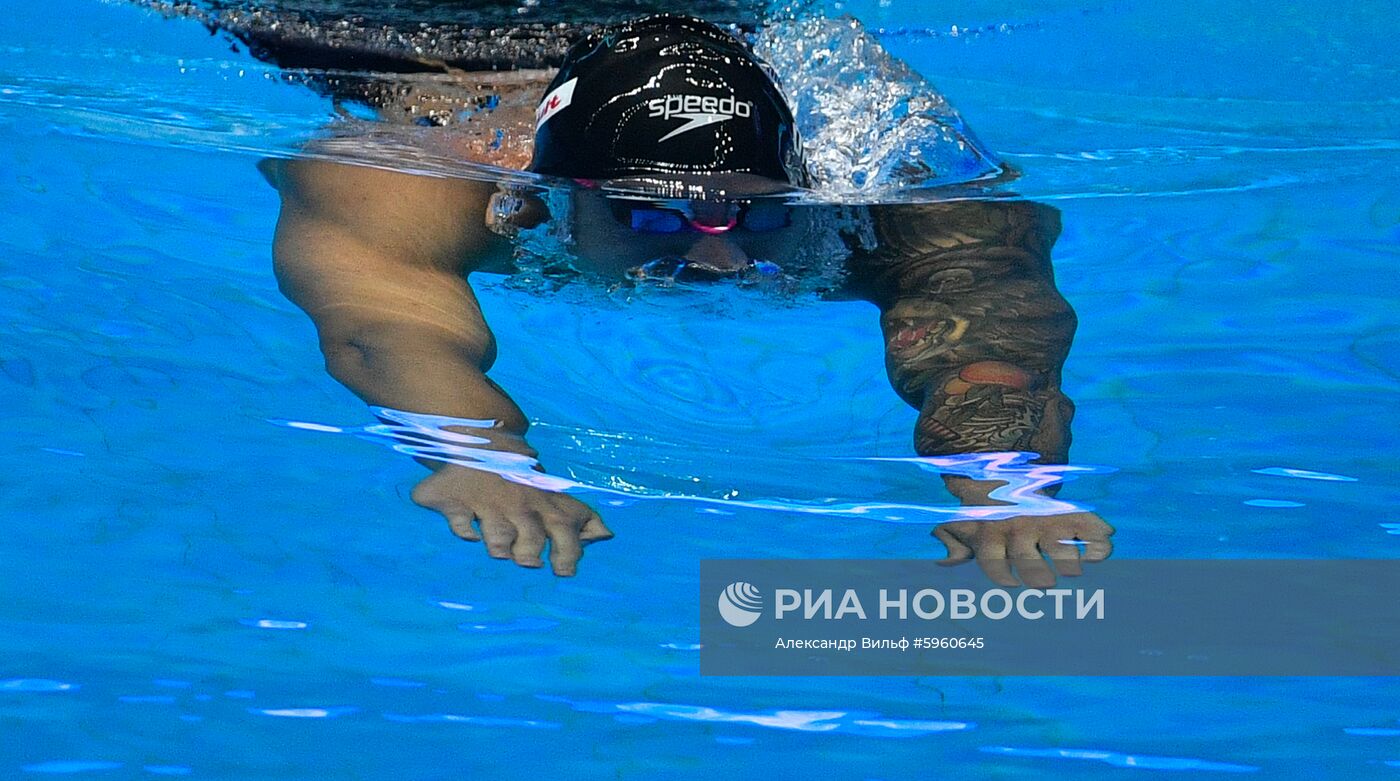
column 554, row 102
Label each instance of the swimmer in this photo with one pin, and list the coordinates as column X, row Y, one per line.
column 682, row 112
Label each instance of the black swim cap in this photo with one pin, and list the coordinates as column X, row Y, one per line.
column 665, row 97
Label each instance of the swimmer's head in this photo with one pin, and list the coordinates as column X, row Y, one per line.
column 668, row 104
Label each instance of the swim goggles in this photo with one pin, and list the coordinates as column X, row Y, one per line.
column 707, row 217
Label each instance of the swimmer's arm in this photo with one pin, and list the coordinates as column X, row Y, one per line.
column 379, row 260
column 976, row 334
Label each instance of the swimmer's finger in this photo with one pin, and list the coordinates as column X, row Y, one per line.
column 528, row 548
column 594, row 529
column 564, row 548
column 1061, row 544
column 958, row 552
column 499, row 535
column 1064, row 555
column 991, row 557
column 588, row 527
column 461, row 525
column 1030, row 566
column 1096, row 549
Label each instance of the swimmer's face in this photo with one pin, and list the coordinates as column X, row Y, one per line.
column 688, row 240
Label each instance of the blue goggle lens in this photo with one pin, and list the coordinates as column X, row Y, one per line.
column 647, row 220
column 754, row 217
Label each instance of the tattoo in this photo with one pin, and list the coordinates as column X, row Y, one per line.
column 992, row 417
column 975, row 331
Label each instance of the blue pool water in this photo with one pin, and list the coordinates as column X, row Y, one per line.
column 191, row 590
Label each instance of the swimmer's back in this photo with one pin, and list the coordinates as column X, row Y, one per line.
column 432, row 36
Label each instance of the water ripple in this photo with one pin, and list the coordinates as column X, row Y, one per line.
column 66, row 766
column 426, row 436
column 35, row 685
column 1136, row 761
column 526, row 624
column 451, row 605
column 304, row 713
column 481, row 721
column 397, row 683
column 272, row 623
column 868, row 724
column 905, row 728
column 1282, row 471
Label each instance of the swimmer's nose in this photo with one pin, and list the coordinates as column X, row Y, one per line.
column 715, row 257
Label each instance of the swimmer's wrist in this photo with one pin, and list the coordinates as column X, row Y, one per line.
column 977, row 493
column 507, row 443
column 972, row 493
column 499, row 439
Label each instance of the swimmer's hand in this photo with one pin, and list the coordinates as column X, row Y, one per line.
column 1024, row 542
column 513, row 519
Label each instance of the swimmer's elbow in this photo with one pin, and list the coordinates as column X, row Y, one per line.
column 271, row 170
column 389, row 349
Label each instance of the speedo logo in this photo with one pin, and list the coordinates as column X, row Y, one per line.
column 697, row 110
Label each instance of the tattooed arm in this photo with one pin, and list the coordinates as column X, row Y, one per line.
column 976, row 335
column 975, row 331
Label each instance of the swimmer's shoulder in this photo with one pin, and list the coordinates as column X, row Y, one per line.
column 401, row 217
column 907, row 230
column 990, row 238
